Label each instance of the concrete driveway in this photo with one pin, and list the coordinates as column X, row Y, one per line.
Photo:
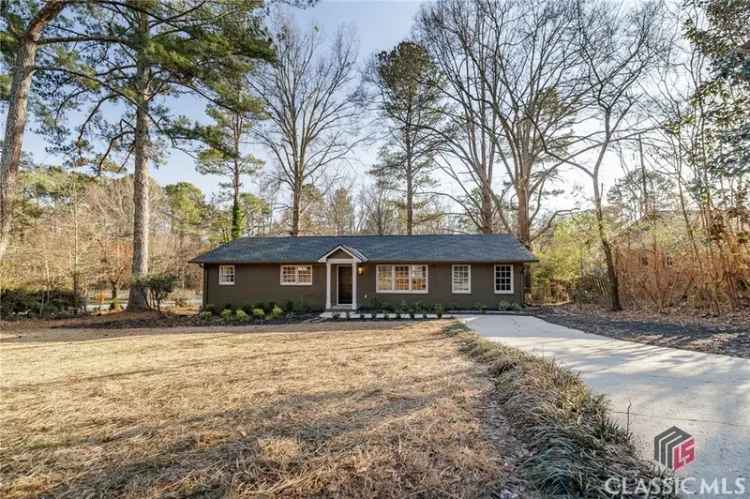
column 653, row 387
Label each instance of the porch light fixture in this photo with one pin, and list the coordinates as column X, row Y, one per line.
column 360, row 270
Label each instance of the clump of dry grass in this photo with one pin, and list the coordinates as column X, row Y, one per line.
column 386, row 411
column 574, row 445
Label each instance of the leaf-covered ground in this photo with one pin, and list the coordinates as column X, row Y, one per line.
column 728, row 334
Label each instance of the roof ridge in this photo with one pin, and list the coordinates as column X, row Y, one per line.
column 310, row 236
column 390, row 247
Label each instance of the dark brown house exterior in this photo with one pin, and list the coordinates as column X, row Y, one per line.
column 351, row 272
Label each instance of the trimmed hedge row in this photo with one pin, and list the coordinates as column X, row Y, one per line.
column 268, row 308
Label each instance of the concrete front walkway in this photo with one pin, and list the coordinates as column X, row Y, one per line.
column 705, row 395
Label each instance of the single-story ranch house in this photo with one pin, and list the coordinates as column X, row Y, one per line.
column 348, row 272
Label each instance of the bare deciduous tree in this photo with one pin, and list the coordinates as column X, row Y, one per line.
column 379, row 213
column 311, row 106
column 513, row 85
column 618, row 49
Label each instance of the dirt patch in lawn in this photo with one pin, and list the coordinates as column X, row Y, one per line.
column 728, row 334
column 367, row 410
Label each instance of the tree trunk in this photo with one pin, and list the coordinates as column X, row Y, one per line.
column 614, row 283
column 236, row 215
column 524, row 231
column 486, row 207
column 296, row 207
column 113, row 288
column 409, row 207
column 141, row 210
column 688, row 224
column 15, row 122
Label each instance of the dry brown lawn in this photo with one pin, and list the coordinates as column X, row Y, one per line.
column 344, row 410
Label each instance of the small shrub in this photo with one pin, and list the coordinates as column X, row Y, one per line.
column 205, row 315
column 439, row 310
column 210, row 308
column 240, row 315
column 277, row 312
column 336, row 315
column 248, row 309
column 300, row 307
column 508, row 306
column 155, row 288
column 259, row 313
column 482, row 308
column 226, row 314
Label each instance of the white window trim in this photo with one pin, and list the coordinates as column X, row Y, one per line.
column 234, row 275
column 296, row 276
column 453, row 283
column 410, row 291
column 512, row 279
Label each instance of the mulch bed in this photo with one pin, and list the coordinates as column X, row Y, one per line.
column 140, row 320
column 728, row 334
column 168, row 320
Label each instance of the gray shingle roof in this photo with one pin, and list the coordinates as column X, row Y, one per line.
column 421, row 248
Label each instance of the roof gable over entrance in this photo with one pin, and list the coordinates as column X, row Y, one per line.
column 343, row 252
column 465, row 248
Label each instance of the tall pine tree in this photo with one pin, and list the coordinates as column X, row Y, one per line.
column 126, row 64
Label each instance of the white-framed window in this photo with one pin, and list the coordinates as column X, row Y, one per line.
column 461, row 279
column 296, row 275
column 504, row 279
column 226, row 275
column 401, row 279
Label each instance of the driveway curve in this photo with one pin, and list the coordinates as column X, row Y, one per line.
column 651, row 389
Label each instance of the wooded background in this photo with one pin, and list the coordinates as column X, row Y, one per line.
column 490, row 118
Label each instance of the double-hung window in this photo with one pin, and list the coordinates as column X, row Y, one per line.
column 504, row 279
column 296, row 275
column 461, row 279
column 226, row 275
column 401, row 279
